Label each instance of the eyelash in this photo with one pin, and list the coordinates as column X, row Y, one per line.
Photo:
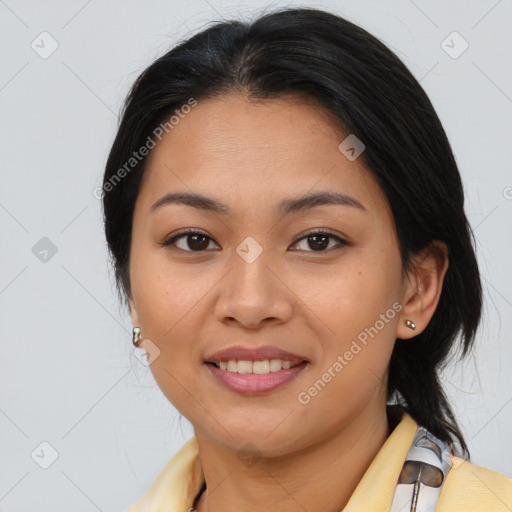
column 316, row 231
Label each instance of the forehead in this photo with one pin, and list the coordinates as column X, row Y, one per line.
column 261, row 150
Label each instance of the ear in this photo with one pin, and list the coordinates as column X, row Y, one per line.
column 422, row 288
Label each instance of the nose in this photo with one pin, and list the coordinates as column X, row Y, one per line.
column 253, row 293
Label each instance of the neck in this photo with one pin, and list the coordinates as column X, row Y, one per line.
column 321, row 477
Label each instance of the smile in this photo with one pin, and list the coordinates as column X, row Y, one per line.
column 255, row 377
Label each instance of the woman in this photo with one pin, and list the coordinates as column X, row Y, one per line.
column 286, row 222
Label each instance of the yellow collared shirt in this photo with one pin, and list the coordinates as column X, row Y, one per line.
column 467, row 488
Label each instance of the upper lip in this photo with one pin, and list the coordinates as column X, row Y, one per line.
column 240, row 352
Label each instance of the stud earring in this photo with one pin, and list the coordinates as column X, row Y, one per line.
column 421, row 287
column 410, row 324
column 136, row 336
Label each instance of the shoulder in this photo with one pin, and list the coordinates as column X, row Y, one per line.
column 472, row 488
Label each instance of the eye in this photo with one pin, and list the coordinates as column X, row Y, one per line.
column 318, row 240
column 196, row 241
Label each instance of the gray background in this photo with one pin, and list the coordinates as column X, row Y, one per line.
column 67, row 372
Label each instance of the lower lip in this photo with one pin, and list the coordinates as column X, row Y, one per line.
column 253, row 384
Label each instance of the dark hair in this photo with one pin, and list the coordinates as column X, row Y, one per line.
column 321, row 56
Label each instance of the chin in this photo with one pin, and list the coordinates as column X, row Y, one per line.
column 257, row 440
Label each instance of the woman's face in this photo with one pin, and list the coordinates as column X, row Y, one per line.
column 253, row 278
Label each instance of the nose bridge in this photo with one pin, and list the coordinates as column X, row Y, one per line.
column 252, row 291
column 251, row 274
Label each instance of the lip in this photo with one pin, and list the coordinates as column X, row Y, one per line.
column 254, row 384
column 240, row 352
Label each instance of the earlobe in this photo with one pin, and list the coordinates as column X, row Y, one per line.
column 423, row 291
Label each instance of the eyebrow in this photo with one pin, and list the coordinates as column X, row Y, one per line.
column 285, row 207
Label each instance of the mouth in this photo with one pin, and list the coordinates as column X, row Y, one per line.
column 255, row 377
column 252, row 370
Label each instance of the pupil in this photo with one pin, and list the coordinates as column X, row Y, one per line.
column 199, row 246
column 319, row 245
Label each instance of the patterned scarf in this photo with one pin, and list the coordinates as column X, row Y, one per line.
column 420, row 482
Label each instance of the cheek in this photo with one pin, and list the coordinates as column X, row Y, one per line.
column 169, row 306
column 349, row 296
column 170, row 314
column 353, row 310
column 166, row 292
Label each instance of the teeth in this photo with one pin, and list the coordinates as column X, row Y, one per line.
column 255, row 367
column 275, row 365
column 244, row 366
column 260, row 367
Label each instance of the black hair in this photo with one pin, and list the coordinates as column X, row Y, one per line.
column 324, row 57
